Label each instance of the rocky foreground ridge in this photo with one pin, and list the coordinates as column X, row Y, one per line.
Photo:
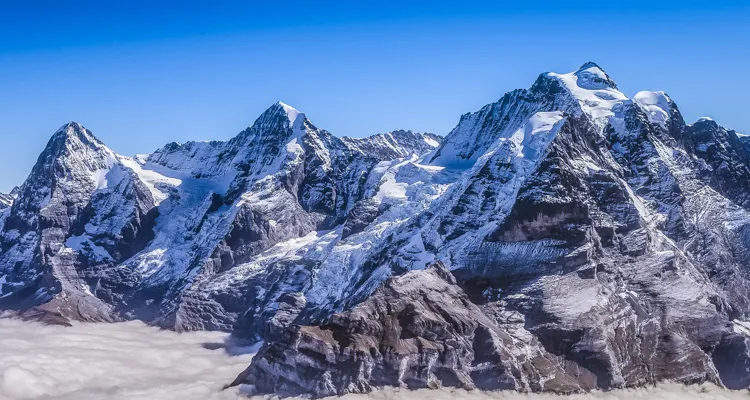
column 421, row 330
column 576, row 238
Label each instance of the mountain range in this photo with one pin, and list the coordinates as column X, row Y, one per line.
column 564, row 238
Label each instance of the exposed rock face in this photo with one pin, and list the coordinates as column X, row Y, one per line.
column 421, row 330
column 418, row 330
column 94, row 235
column 597, row 232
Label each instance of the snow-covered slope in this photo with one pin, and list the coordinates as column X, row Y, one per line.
column 100, row 236
column 604, row 238
column 595, row 241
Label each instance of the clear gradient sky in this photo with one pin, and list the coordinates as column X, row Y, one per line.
column 143, row 73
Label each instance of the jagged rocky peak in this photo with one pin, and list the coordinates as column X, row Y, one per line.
column 280, row 112
column 80, row 209
column 706, row 134
column 258, row 144
column 73, row 164
column 73, row 137
column 73, row 129
column 74, row 143
column 395, row 144
column 6, row 200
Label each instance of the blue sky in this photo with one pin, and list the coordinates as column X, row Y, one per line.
column 140, row 74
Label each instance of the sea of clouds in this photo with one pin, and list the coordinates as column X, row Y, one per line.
column 129, row 361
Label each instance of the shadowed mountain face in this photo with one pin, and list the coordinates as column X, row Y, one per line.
column 580, row 239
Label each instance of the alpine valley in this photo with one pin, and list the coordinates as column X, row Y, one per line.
column 564, row 238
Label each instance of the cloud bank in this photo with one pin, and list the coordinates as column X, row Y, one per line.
column 120, row 361
column 128, row 361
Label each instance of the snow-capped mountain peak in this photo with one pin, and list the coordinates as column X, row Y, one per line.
column 657, row 105
column 594, row 91
column 74, row 152
column 292, row 113
column 593, row 76
column 69, row 128
column 706, row 121
column 279, row 110
column 75, row 131
column 598, row 241
column 587, row 92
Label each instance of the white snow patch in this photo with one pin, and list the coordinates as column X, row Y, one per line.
column 98, row 177
column 537, row 133
column 83, row 244
column 294, row 147
column 595, row 99
column 742, row 327
column 150, row 261
column 291, row 113
column 431, row 142
column 656, row 106
column 149, row 177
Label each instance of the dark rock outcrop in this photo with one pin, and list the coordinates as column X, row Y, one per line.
column 421, row 330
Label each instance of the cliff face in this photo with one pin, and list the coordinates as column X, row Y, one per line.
column 600, row 241
column 421, row 330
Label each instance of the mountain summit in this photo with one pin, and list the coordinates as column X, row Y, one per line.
column 280, row 110
column 564, row 238
column 591, row 75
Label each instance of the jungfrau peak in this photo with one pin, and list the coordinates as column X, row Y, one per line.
column 564, row 238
